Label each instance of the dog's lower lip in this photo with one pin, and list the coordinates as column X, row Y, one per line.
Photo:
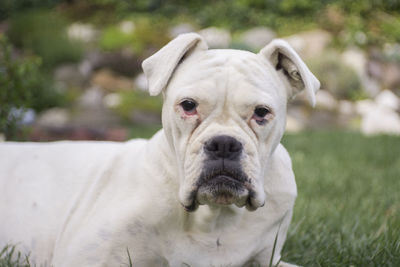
column 224, row 178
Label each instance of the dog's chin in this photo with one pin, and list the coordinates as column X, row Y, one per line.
column 222, row 190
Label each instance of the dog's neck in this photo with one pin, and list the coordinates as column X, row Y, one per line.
column 212, row 218
column 206, row 218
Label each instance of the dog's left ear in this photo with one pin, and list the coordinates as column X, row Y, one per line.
column 283, row 57
column 159, row 68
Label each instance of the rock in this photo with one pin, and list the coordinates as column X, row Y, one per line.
column 145, row 117
column 91, row 98
column 141, row 82
column 127, row 26
column 310, row 44
column 388, row 99
column 391, row 75
column 180, row 29
column 346, row 107
column 357, row 60
column 82, row 32
column 123, row 62
column 381, row 120
column 91, row 112
column 216, row 37
column 70, row 75
column 325, row 100
column 299, row 115
column 293, row 125
column 53, row 118
column 257, row 38
column 110, row 81
column 380, row 116
column 112, row 100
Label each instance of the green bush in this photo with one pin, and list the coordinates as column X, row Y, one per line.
column 337, row 78
column 8, row 7
column 147, row 34
column 44, row 33
column 22, row 86
column 140, row 101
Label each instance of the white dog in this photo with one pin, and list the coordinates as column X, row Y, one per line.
column 213, row 188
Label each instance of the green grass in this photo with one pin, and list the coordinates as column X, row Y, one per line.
column 348, row 209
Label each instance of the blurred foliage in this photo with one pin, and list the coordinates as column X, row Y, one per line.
column 10, row 7
column 23, row 86
column 359, row 22
column 147, row 33
column 44, row 33
column 337, row 78
column 140, row 101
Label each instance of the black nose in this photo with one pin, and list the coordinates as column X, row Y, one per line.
column 223, row 147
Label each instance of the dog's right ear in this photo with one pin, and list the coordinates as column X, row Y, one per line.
column 159, row 68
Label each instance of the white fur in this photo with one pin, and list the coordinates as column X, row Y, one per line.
column 87, row 203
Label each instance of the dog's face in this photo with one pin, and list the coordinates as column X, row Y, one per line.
column 223, row 115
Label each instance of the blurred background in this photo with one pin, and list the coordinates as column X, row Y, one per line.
column 70, row 69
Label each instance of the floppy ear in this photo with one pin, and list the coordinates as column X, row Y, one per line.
column 283, row 57
column 159, row 68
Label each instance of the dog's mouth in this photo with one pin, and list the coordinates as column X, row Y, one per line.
column 222, row 190
column 222, row 187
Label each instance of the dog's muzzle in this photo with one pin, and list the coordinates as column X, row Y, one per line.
column 222, row 181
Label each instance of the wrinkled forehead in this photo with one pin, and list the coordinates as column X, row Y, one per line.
column 225, row 70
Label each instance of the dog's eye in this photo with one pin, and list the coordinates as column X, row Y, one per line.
column 260, row 113
column 189, row 106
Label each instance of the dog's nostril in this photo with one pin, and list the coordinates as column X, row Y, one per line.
column 223, row 146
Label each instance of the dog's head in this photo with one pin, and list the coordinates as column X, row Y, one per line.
column 224, row 114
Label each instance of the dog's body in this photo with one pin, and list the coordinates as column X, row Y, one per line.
column 88, row 204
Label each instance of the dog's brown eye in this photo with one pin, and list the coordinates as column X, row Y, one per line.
column 189, row 106
column 261, row 112
column 261, row 115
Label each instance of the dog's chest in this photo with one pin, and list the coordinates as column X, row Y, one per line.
column 214, row 249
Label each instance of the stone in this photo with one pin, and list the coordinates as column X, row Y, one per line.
column 216, row 37
column 123, row 62
column 145, row 117
column 70, row 75
column 310, row 44
column 357, row 60
column 346, row 107
column 391, row 75
column 293, row 125
column 82, row 32
column 112, row 100
column 91, row 112
column 381, row 120
column 380, row 116
column 127, row 26
column 257, row 38
column 180, row 29
column 365, row 106
column 388, row 99
column 140, row 82
column 325, row 100
column 53, row 118
column 110, row 81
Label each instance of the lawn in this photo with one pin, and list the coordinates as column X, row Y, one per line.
column 348, row 209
